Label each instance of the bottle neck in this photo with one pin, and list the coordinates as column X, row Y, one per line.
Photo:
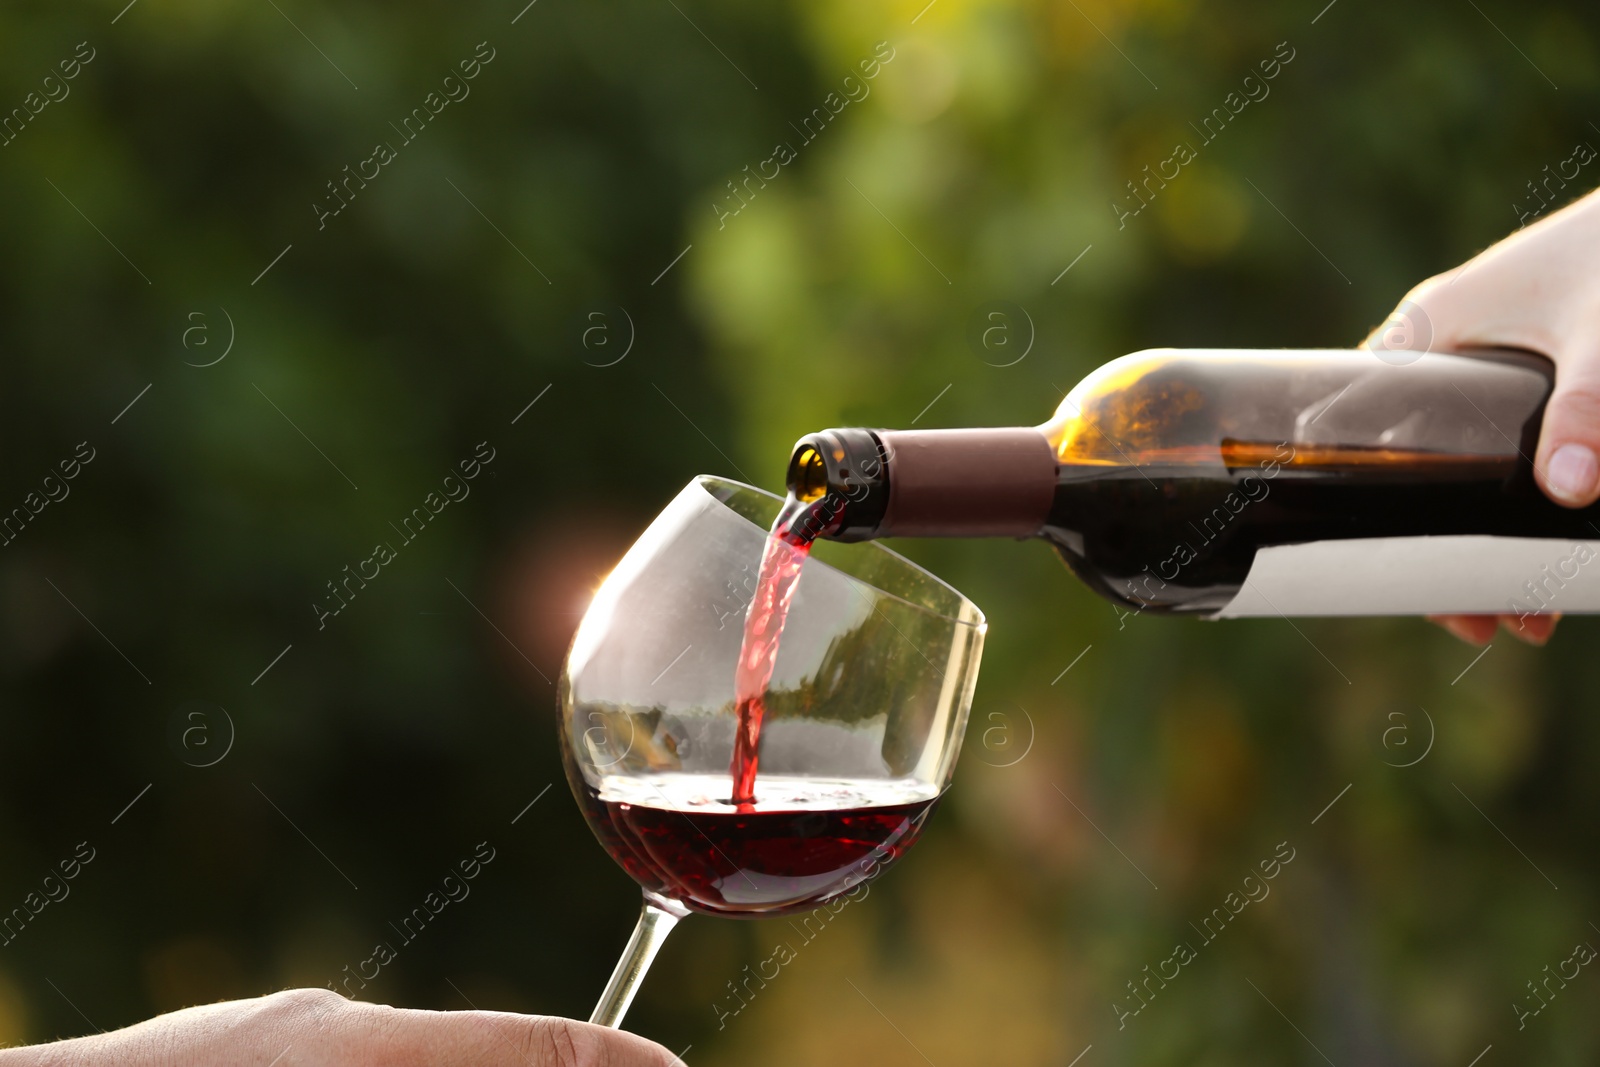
column 993, row 482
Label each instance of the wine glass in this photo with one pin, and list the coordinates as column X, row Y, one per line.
column 865, row 712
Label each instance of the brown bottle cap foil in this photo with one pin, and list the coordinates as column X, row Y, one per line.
column 968, row 483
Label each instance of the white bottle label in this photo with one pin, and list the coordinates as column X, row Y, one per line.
column 1468, row 574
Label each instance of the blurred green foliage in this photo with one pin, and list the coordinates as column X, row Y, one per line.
column 582, row 176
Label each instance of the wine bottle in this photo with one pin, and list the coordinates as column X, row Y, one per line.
column 1231, row 483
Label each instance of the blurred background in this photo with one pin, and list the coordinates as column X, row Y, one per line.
column 271, row 372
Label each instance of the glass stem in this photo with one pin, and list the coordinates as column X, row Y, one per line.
column 656, row 919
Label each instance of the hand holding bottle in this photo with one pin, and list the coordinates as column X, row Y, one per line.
column 320, row 1028
column 1416, row 477
column 1539, row 290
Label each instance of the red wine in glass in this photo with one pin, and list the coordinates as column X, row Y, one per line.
column 799, row 842
column 797, row 526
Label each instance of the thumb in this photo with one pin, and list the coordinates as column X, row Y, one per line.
column 503, row 1039
column 1568, row 463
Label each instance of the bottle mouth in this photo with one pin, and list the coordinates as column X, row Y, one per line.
column 808, row 474
column 843, row 471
